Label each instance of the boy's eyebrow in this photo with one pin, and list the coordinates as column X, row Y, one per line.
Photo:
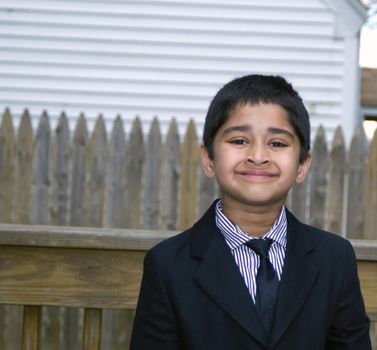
column 246, row 127
column 242, row 128
column 280, row 131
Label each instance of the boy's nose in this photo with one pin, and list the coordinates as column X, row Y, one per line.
column 257, row 155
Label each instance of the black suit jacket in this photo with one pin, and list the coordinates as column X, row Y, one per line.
column 193, row 296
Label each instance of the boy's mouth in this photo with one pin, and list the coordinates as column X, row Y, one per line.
column 257, row 173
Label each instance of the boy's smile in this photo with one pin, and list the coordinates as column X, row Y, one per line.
column 256, row 157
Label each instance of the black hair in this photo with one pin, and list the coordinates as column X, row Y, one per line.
column 254, row 89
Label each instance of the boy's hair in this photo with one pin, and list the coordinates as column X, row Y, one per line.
column 254, row 89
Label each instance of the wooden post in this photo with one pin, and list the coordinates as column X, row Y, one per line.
column 59, row 169
column 123, row 210
column 22, row 201
column 10, row 315
column 92, row 329
column 31, row 328
column 40, row 211
column 78, row 209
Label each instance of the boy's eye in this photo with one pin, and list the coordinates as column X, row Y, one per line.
column 278, row 144
column 238, row 142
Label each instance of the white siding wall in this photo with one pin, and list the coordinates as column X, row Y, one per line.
column 165, row 58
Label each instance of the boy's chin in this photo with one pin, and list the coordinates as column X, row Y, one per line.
column 255, row 201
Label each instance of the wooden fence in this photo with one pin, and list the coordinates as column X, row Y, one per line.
column 51, row 177
column 98, row 268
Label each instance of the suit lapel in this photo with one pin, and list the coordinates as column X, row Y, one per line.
column 220, row 278
column 299, row 275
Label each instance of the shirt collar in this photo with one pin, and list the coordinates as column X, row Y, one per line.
column 235, row 237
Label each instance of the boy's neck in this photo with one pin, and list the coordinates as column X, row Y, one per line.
column 254, row 222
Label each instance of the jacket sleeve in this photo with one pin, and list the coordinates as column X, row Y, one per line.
column 155, row 326
column 350, row 326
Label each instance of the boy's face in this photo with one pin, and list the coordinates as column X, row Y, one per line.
column 256, row 157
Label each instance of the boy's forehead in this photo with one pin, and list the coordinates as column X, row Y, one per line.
column 257, row 105
column 247, row 114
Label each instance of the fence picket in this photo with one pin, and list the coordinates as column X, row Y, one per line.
column 170, row 173
column 92, row 329
column 189, row 171
column 371, row 200
column 298, row 200
column 23, row 152
column 318, row 180
column 79, row 172
column 40, row 184
column 71, row 330
column 115, row 217
column 337, row 170
column 60, row 160
column 97, row 160
column 41, row 174
column 115, row 178
column 31, row 328
column 7, row 151
column 356, row 184
column 134, row 175
column 152, row 175
column 135, row 150
column 24, row 161
column 206, row 192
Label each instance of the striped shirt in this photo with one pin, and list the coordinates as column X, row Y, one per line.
column 246, row 259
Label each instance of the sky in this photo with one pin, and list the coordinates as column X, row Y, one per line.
column 368, row 39
column 368, row 47
column 368, row 56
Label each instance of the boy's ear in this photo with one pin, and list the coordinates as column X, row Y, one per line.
column 207, row 163
column 303, row 169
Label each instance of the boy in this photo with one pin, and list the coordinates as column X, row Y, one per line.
column 248, row 274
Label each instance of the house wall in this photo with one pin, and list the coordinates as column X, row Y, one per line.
column 168, row 58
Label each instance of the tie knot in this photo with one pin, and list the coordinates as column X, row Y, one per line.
column 260, row 246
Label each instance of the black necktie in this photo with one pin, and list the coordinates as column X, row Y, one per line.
column 267, row 282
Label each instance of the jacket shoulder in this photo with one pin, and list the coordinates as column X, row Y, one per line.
column 193, row 240
column 318, row 237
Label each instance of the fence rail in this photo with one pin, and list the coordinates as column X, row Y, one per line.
column 99, row 269
column 145, row 180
